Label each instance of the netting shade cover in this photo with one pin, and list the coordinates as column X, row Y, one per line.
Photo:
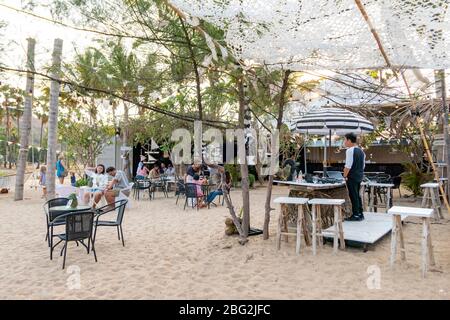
column 330, row 34
column 320, row 121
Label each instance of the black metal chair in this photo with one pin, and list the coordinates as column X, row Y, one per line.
column 191, row 193
column 397, row 182
column 180, row 190
column 382, row 178
column 118, row 206
column 79, row 227
column 142, row 185
column 52, row 216
column 160, row 184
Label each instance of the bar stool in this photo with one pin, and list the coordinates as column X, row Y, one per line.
column 317, row 222
column 282, row 220
column 397, row 231
column 373, row 186
column 431, row 198
column 362, row 194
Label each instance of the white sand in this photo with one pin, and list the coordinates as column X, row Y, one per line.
column 176, row 254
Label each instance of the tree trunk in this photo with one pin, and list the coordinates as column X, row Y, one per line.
column 7, row 150
column 258, row 164
column 281, row 103
column 244, row 166
column 53, row 119
column 26, row 122
column 126, row 132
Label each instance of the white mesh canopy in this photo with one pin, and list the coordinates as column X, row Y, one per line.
column 330, row 34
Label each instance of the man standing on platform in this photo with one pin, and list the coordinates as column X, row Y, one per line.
column 355, row 160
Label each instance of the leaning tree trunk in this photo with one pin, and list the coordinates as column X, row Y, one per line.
column 126, row 132
column 25, row 127
column 281, row 103
column 53, row 118
column 243, row 106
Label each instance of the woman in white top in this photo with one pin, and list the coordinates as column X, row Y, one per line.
column 99, row 183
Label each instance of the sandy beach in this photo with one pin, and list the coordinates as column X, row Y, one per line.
column 176, row 254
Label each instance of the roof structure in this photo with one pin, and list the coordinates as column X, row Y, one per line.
column 330, row 34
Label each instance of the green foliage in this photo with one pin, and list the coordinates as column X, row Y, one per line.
column 81, row 182
column 251, row 180
column 235, row 172
column 84, row 141
column 413, row 177
column 72, row 196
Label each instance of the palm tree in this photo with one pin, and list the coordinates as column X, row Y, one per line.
column 88, row 70
column 124, row 68
column 53, row 119
column 26, row 123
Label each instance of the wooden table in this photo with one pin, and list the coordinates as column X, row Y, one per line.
column 318, row 190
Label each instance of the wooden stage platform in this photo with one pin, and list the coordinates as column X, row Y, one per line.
column 370, row 230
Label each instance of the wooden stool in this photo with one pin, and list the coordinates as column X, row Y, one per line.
column 427, row 247
column 282, row 220
column 317, row 222
column 362, row 194
column 373, row 186
column 431, row 198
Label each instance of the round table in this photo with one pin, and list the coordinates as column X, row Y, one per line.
column 54, row 212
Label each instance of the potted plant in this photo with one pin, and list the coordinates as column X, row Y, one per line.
column 73, row 200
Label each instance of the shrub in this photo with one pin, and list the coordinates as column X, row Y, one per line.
column 81, row 183
column 251, row 180
column 235, row 173
column 413, row 177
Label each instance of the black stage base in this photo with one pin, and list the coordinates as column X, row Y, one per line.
column 254, row 232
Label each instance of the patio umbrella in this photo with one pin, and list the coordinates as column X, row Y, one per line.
column 328, row 121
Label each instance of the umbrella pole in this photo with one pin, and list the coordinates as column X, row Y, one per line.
column 325, row 156
column 304, row 157
column 329, row 153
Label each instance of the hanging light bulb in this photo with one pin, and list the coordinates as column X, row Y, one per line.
column 140, row 89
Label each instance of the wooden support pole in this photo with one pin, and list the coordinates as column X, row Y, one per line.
column 363, row 11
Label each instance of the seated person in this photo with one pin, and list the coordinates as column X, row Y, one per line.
column 219, row 191
column 155, row 172
column 140, row 167
column 199, row 182
column 162, row 169
column 142, row 173
column 118, row 183
column 191, row 171
column 99, row 183
column 170, row 171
